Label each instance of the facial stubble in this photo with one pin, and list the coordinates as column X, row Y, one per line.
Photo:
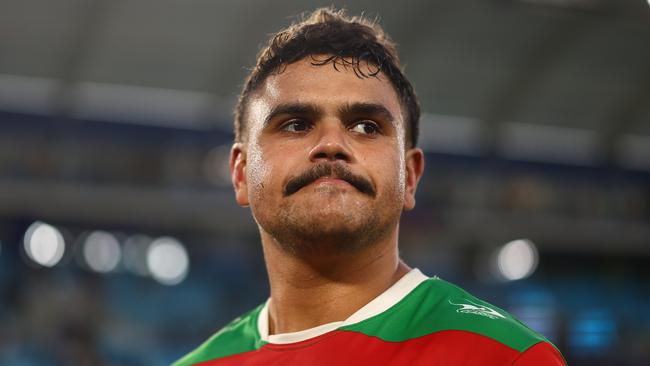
column 328, row 219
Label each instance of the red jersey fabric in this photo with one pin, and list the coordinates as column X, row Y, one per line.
column 418, row 321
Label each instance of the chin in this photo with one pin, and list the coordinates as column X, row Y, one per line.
column 337, row 214
column 332, row 220
column 327, row 221
column 325, row 229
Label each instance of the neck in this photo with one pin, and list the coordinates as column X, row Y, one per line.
column 320, row 287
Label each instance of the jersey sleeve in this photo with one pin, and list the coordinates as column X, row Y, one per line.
column 541, row 354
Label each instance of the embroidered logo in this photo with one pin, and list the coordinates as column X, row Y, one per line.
column 477, row 309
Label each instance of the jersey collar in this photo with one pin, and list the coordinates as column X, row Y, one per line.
column 378, row 305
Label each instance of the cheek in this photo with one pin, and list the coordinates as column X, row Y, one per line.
column 266, row 169
column 258, row 172
column 400, row 174
column 393, row 173
column 399, row 157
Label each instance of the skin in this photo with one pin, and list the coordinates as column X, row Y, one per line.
column 330, row 247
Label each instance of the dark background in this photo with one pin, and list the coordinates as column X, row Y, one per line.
column 116, row 116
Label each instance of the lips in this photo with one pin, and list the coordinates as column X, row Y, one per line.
column 330, row 180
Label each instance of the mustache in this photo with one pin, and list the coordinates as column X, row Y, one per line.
column 336, row 170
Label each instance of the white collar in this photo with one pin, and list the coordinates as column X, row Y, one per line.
column 378, row 305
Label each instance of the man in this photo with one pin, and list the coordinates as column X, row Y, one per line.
column 325, row 156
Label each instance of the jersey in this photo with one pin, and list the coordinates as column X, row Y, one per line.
column 417, row 321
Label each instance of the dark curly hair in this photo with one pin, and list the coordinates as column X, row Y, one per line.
column 346, row 41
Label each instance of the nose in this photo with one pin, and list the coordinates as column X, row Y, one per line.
column 331, row 145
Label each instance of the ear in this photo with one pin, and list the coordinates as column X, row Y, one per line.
column 414, row 169
column 238, row 173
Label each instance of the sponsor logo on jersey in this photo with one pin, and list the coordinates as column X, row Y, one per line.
column 469, row 307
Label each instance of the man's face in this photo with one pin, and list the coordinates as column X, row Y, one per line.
column 325, row 159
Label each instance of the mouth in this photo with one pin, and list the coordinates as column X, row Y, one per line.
column 330, row 180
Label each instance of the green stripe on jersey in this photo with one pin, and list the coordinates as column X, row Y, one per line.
column 436, row 305
column 238, row 336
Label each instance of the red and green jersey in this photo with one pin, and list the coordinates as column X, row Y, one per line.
column 418, row 321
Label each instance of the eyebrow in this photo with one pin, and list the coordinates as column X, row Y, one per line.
column 366, row 109
column 303, row 109
column 348, row 109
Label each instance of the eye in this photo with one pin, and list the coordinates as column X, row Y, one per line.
column 296, row 125
column 365, row 127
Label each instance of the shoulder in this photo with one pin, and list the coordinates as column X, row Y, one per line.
column 437, row 306
column 456, row 309
column 240, row 335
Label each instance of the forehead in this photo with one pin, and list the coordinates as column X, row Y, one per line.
column 323, row 85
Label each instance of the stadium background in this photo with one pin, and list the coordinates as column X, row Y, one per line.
column 121, row 243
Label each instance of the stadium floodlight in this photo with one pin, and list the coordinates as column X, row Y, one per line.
column 516, row 260
column 101, row 251
column 168, row 261
column 44, row 244
column 134, row 254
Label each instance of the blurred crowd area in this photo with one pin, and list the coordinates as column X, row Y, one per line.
column 120, row 240
column 577, row 270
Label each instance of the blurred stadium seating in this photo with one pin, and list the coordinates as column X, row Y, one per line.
column 121, row 243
